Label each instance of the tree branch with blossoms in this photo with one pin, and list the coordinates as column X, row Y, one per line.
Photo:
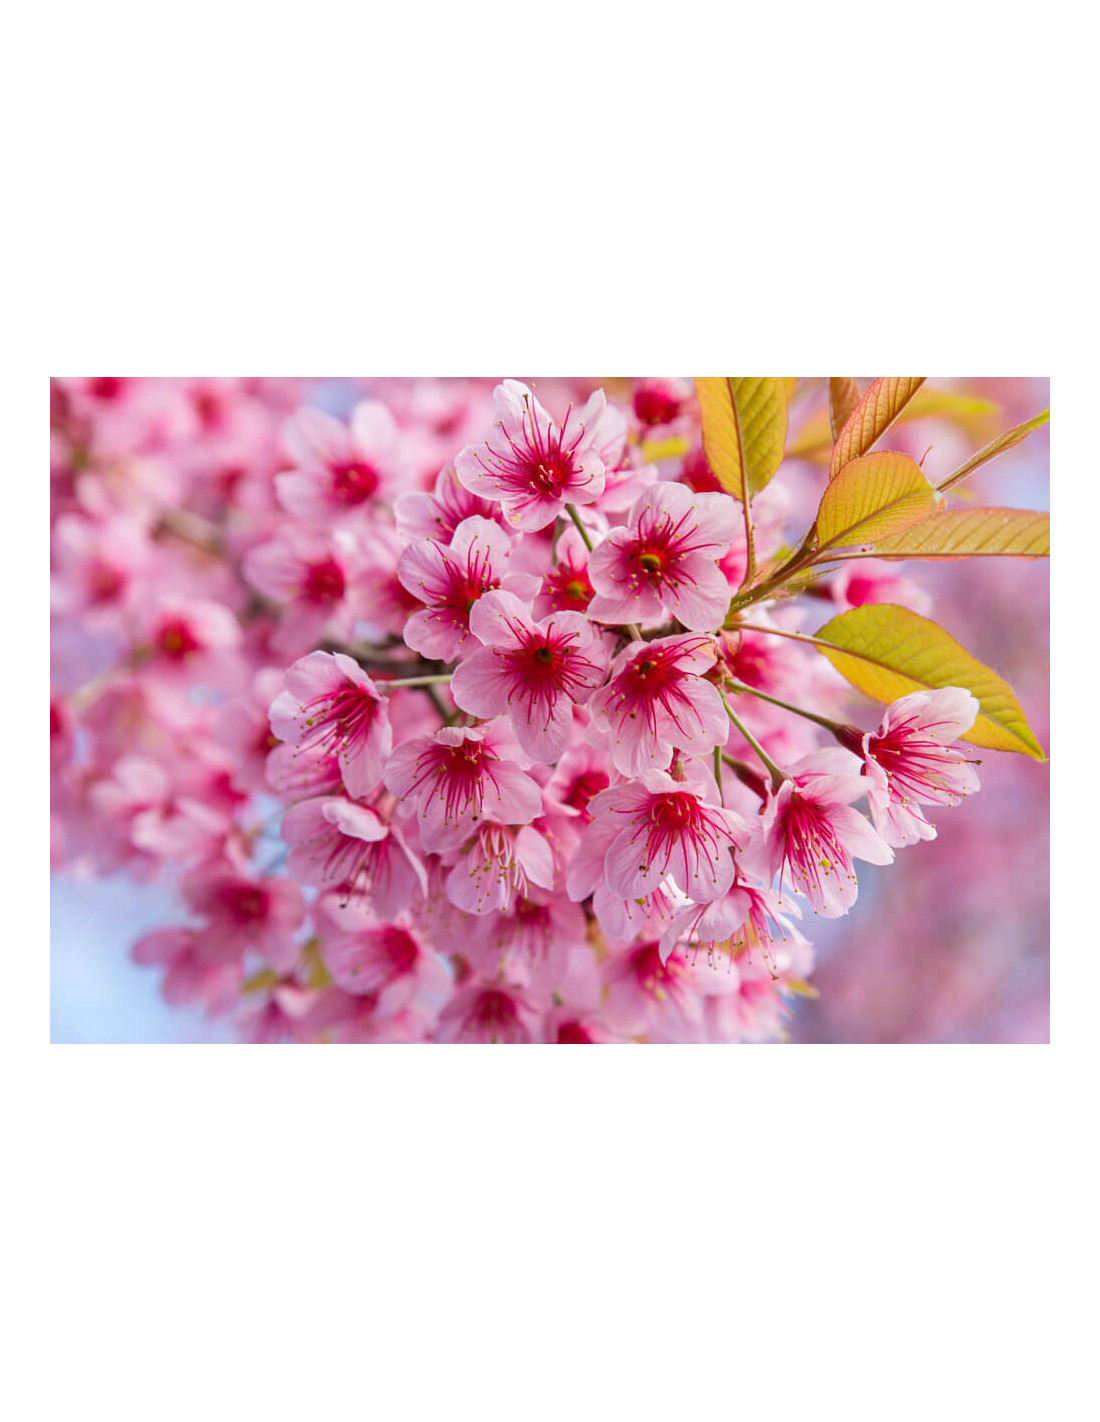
column 529, row 698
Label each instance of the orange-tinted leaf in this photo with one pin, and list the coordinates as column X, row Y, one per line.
column 843, row 398
column 873, row 416
column 999, row 445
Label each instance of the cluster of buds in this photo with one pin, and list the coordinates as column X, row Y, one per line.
column 442, row 719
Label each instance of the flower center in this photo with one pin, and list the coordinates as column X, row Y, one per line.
column 176, row 639
column 353, row 482
column 324, row 582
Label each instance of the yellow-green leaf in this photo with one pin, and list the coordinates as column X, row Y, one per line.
column 998, row 446
column 972, row 533
column 873, row 497
column 744, row 428
column 873, row 416
column 887, row 652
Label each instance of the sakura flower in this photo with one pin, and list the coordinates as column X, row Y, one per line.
column 809, row 831
column 866, row 580
column 189, row 977
column 438, row 514
column 186, row 637
column 909, row 761
column 386, row 959
column 533, row 466
column 534, row 938
column 99, row 565
column 535, row 671
column 499, row 864
column 488, row 1013
column 665, row 561
column 338, row 844
column 450, row 578
column 338, row 468
column 656, row 701
column 244, row 914
column 749, row 917
column 667, row 828
column 330, row 704
column 312, row 574
column 567, row 586
column 645, row 993
column 659, row 401
column 458, row 778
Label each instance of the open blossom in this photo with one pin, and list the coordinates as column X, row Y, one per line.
column 665, row 561
column 533, row 466
column 340, row 845
column 313, row 575
column 810, row 833
column 489, row 1013
column 330, row 704
column 450, row 578
column 665, row 828
column 657, row 701
column 458, row 778
column 567, row 586
column 646, row 992
column 244, row 914
column 365, row 956
column 498, row 864
column 438, row 514
column 338, row 468
column 910, row 761
column 750, row 917
column 535, row 671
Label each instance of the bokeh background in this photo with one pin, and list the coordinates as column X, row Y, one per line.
column 951, row 944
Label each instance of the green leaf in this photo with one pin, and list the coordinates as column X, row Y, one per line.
column 744, row 428
column 972, row 533
column 872, row 417
column 873, row 497
column 887, row 652
column 1000, row 444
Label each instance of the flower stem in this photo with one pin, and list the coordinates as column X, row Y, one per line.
column 778, row 776
column 718, row 772
column 575, row 516
column 741, row 689
column 435, row 680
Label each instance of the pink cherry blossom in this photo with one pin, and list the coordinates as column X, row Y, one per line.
column 338, row 468
column 499, row 863
column 567, row 586
column 665, row 561
column 338, row 844
column 329, row 704
column 459, row 778
column 450, row 578
column 488, row 1013
column 244, row 914
column 385, row 959
column 810, row 832
column 534, row 671
column 312, row 575
column 668, row 829
column 533, row 466
column 438, row 514
column 910, row 761
column 657, row 701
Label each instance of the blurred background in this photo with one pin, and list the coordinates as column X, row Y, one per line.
column 949, row 945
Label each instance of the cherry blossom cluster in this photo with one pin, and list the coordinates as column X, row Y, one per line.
column 427, row 697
